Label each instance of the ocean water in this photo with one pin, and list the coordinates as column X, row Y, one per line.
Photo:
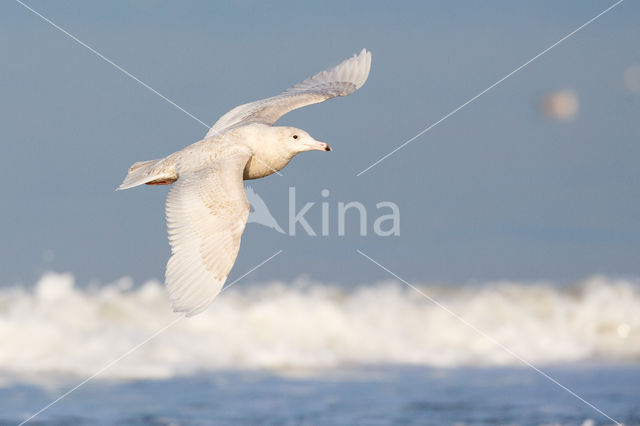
column 310, row 353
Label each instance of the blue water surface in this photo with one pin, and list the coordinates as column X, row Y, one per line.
column 362, row 395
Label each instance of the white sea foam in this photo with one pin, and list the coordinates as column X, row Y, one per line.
column 60, row 328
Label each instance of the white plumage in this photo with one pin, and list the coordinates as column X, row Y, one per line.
column 207, row 207
column 341, row 80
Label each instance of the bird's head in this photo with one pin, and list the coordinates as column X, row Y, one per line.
column 297, row 141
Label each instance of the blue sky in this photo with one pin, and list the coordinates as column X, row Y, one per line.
column 497, row 191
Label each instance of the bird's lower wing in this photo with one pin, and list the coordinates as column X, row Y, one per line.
column 206, row 214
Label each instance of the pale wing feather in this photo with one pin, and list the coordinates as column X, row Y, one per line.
column 341, row 80
column 206, row 214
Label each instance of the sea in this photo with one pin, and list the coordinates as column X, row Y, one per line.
column 311, row 353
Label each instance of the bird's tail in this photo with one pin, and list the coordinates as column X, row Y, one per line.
column 147, row 172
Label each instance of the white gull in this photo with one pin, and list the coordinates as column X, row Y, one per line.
column 207, row 207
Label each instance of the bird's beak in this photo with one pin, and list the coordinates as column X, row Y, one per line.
column 320, row 146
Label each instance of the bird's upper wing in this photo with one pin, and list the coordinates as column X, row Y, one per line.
column 206, row 214
column 341, row 80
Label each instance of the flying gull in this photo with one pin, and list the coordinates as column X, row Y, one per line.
column 207, row 207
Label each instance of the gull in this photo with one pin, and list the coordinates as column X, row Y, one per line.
column 207, row 207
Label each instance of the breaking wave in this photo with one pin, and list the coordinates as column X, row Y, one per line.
column 58, row 327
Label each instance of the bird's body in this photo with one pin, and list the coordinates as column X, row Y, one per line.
column 207, row 207
column 267, row 156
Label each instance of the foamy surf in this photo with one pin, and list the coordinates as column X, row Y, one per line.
column 58, row 327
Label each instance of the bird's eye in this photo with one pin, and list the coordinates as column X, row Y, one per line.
column 295, row 136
